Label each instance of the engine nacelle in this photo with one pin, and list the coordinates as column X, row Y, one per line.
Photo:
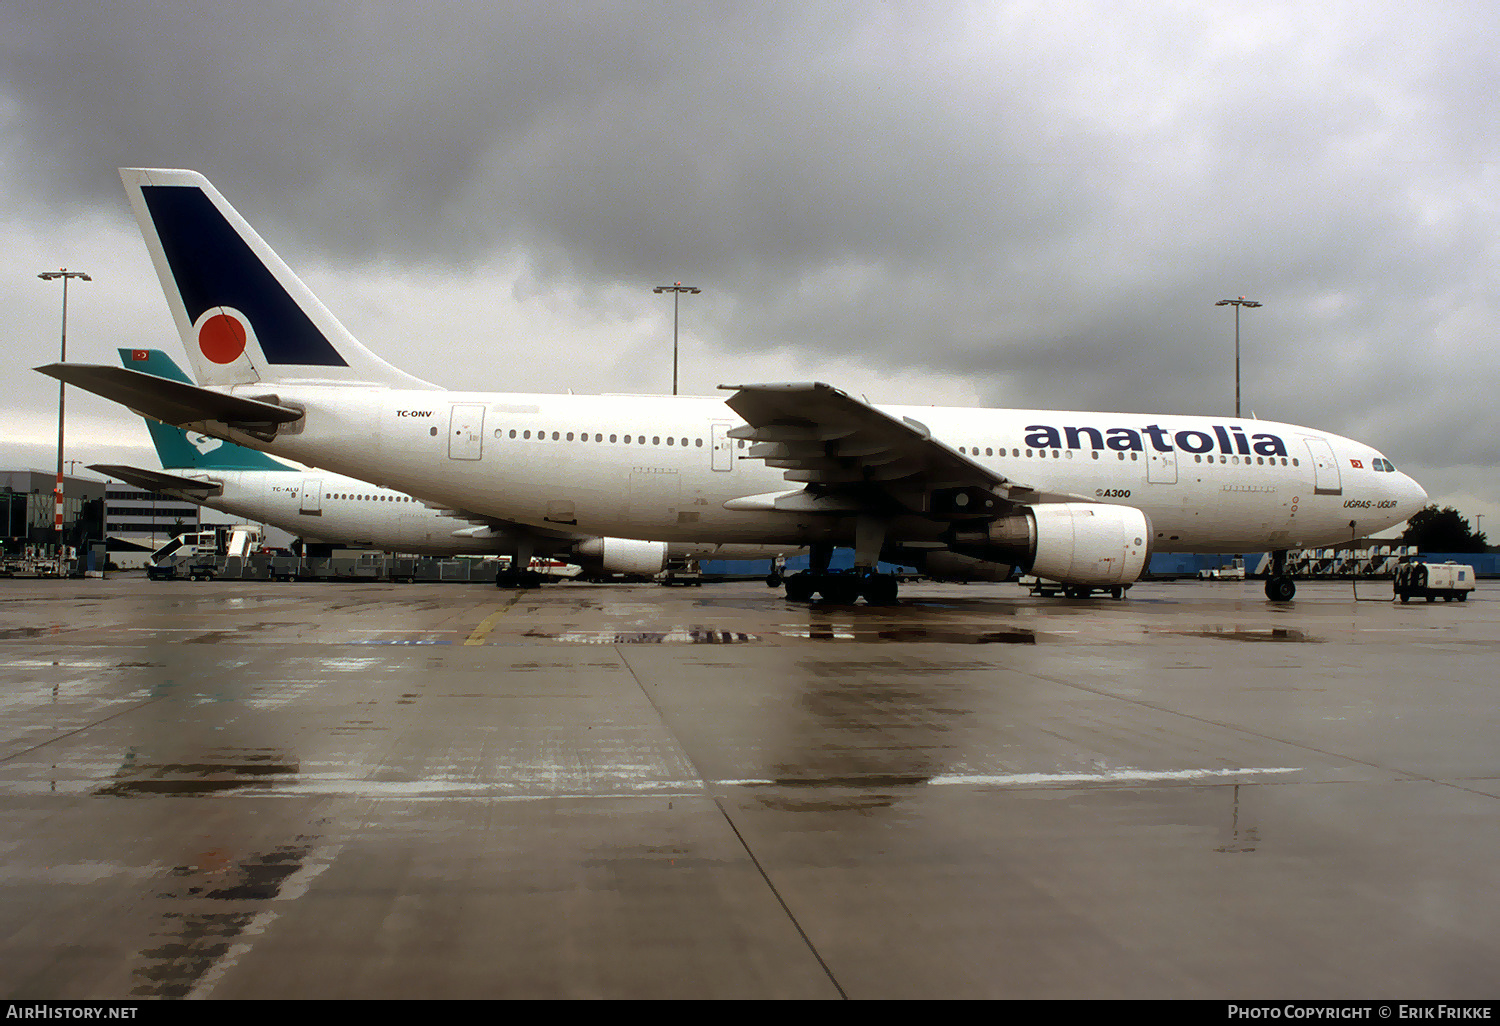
column 622, row 556
column 1072, row 542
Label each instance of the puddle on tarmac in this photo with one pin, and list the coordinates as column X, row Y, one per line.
column 911, row 635
column 197, row 942
column 232, row 769
column 861, row 792
column 675, row 636
column 1242, row 634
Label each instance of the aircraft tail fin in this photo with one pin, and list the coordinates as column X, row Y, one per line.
column 244, row 317
column 180, row 449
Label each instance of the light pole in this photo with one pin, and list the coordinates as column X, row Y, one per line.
column 57, row 506
column 676, row 288
column 1237, row 303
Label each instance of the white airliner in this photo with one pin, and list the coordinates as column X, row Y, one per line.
column 1080, row 498
column 325, row 510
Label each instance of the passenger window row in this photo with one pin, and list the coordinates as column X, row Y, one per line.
column 368, row 498
column 583, row 436
column 1068, row 454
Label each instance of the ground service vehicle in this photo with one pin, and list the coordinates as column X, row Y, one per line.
column 1448, row 581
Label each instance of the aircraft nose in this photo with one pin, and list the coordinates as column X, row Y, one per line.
column 1411, row 496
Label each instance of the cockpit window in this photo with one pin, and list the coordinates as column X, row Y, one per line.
column 1383, row 465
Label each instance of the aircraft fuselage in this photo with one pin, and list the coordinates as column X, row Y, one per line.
column 664, row 467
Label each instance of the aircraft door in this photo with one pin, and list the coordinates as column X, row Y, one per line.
column 1326, row 479
column 466, row 431
column 1161, row 467
column 723, row 447
column 311, row 500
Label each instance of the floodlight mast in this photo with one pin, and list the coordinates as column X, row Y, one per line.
column 57, row 505
column 1237, row 303
column 676, row 288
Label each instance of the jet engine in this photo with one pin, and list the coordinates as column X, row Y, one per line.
column 621, row 556
column 1071, row 542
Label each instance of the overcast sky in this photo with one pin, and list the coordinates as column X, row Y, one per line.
column 1007, row 204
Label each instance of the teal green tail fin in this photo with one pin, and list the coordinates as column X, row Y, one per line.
column 182, row 450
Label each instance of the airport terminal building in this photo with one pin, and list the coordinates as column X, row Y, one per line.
column 29, row 509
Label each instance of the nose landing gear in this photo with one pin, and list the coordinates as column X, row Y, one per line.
column 1279, row 585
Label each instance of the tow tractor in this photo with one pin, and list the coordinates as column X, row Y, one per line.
column 1047, row 589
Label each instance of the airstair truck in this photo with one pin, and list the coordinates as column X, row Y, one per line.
column 198, row 555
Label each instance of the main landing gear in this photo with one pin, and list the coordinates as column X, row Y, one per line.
column 842, row 588
column 519, row 573
column 1279, row 585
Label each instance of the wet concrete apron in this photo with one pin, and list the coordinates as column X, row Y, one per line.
column 261, row 790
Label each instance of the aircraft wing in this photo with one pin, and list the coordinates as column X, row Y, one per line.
column 171, row 402
column 156, row 481
column 842, row 450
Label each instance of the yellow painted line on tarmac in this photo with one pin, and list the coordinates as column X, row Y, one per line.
column 477, row 636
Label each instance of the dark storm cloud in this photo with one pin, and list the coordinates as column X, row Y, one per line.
column 1044, row 198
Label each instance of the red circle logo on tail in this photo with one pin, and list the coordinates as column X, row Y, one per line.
column 222, row 338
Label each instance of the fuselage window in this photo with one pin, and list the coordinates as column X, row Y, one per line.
column 527, row 435
column 512, row 432
column 671, row 440
column 554, row 436
column 627, row 439
column 656, row 439
column 700, row 443
column 1028, row 453
column 1135, row 455
column 613, row 438
column 570, row 435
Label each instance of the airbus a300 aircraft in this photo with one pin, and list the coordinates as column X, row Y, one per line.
column 330, row 509
column 1080, row 498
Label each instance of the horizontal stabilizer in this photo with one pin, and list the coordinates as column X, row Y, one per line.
column 171, row 402
column 156, row 481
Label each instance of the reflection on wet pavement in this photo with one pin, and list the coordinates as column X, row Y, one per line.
column 589, row 791
column 222, row 770
column 194, row 944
